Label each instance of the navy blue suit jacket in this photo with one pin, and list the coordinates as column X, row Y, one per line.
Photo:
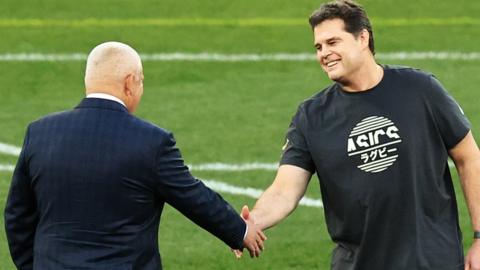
column 89, row 188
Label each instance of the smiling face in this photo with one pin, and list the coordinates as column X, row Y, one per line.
column 339, row 52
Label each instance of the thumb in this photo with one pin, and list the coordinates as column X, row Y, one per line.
column 245, row 212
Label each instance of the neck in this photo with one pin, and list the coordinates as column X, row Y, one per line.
column 366, row 77
column 109, row 89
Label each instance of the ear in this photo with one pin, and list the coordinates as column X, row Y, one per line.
column 364, row 38
column 128, row 85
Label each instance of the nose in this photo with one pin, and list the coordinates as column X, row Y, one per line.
column 324, row 53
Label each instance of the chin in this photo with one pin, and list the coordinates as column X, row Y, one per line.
column 334, row 77
column 335, row 74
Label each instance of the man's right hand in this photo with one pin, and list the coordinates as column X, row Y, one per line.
column 255, row 237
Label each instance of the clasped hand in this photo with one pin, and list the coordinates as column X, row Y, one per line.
column 255, row 237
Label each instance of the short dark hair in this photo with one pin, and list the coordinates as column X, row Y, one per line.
column 352, row 14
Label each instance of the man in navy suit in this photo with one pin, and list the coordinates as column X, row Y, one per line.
column 90, row 183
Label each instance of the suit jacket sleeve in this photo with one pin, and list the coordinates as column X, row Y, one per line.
column 193, row 199
column 21, row 214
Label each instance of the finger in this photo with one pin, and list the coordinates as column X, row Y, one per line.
column 255, row 250
column 245, row 212
column 467, row 266
column 260, row 244
column 252, row 254
column 262, row 235
column 251, row 251
column 238, row 253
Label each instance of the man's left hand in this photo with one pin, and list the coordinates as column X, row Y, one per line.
column 472, row 260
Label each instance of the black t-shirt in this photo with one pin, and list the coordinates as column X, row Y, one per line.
column 381, row 157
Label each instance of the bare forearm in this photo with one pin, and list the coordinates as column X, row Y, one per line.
column 466, row 156
column 469, row 173
column 281, row 198
column 272, row 207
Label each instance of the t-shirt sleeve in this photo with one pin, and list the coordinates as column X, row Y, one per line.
column 449, row 117
column 295, row 151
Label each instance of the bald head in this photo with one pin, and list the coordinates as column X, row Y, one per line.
column 109, row 63
column 112, row 68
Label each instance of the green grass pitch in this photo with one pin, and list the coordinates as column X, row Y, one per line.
column 219, row 111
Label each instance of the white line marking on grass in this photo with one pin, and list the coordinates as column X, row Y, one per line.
column 9, row 149
column 223, row 187
column 91, row 22
column 250, row 166
column 7, row 168
column 471, row 56
column 234, row 167
column 216, row 166
column 252, row 192
column 42, row 57
column 240, row 22
column 219, row 187
column 221, row 167
column 219, row 57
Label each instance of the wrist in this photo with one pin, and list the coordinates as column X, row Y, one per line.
column 246, row 231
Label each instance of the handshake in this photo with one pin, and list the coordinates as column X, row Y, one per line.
column 254, row 238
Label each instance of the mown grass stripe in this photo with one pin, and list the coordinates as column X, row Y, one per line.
column 243, row 22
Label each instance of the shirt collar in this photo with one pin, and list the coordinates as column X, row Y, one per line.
column 106, row 96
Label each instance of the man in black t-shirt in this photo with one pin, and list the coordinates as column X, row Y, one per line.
column 378, row 138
